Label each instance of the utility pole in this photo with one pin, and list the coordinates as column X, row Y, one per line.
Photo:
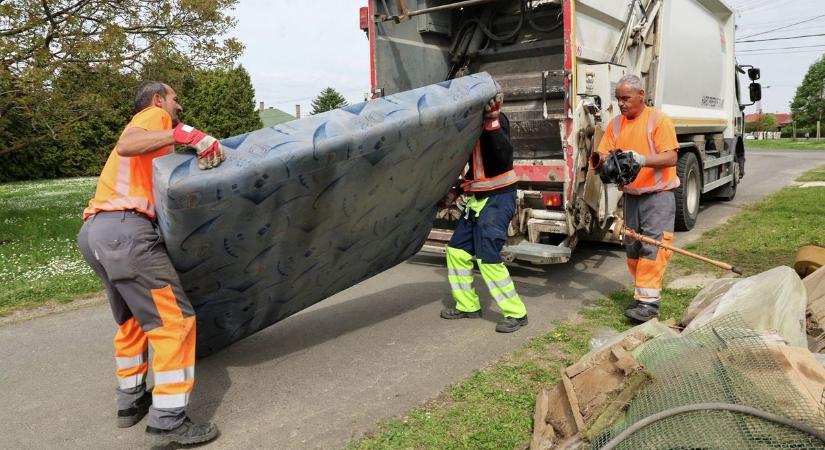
column 821, row 107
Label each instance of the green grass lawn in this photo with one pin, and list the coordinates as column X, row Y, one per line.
column 786, row 144
column 39, row 259
column 767, row 233
column 493, row 408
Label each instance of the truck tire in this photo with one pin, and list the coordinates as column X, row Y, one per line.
column 689, row 193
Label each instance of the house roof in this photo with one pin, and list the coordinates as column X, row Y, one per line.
column 781, row 118
column 273, row 116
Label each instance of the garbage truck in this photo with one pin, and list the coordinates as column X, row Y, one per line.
column 558, row 62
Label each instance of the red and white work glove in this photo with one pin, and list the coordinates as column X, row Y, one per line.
column 209, row 150
column 491, row 112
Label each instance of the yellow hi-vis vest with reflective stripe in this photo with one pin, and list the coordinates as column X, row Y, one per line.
column 480, row 183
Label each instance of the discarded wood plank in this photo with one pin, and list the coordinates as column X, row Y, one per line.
column 615, row 407
column 540, row 420
column 573, row 400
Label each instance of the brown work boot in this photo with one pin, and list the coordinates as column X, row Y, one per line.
column 188, row 433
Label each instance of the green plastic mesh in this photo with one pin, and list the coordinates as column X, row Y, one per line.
column 723, row 361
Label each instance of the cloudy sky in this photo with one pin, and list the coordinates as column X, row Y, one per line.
column 783, row 68
column 294, row 49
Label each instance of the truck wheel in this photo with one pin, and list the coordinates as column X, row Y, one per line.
column 689, row 193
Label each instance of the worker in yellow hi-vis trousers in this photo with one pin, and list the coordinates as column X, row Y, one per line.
column 482, row 231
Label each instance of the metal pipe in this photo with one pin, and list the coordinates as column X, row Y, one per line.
column 407, row 14
column 546, row 215
column 450, row 6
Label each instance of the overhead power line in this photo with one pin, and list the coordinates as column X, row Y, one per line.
column 792, row 52
column 782, row 28
column 784, row 38
column 779, row 48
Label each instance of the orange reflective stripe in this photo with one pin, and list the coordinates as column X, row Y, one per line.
column 481, row 183
column 616, row 125
column 650, row 125
column 478, row 166
column 122, row 177
column 650, row 273
column 489, row 184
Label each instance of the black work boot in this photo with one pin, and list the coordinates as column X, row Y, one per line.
column 642, row 311
column 132, row 415
column 187, row 433
column 452, row 313
column 511, row 324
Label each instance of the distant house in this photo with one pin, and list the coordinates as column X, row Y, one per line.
column 273, row 116
column 782, row 119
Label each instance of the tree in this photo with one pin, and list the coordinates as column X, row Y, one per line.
column 328, row 100
column 808, row 104
column 41, row 40
column 222, row 103
column 765, row 122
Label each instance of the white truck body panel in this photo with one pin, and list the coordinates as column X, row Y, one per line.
column 559, row 83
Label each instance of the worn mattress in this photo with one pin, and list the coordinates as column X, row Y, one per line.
column 306, row 209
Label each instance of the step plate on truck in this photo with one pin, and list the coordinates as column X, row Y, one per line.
column 306, row 209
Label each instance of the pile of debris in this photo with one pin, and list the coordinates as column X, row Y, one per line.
column 744, row 372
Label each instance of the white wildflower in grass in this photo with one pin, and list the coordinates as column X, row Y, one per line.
column 39, row 258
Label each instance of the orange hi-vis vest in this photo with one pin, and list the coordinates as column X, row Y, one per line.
column 126, row 181
column 480, row 183
column 659, row 130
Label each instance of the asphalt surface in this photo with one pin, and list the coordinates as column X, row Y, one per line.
column 328, row 374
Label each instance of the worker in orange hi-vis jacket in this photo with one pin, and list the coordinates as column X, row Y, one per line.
column 650, row 206
column 119, row 239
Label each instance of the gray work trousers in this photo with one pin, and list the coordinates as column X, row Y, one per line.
column 126, row 251
column 651, row 215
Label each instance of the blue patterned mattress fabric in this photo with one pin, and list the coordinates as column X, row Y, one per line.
column 308, row 208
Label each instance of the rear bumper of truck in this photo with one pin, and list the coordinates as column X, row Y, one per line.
column 531, row 252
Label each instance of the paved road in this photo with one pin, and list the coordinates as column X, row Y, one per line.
column 328, row 374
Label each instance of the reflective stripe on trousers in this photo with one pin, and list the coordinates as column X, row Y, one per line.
column 651, row 215
column 496, row 276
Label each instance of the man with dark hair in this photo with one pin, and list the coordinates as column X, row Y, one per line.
column 480, row 234
column 120, row 241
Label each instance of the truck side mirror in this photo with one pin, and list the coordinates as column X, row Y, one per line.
column 755, row 91
column 754, row 73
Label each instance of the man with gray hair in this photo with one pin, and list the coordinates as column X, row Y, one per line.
column 649, row 204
